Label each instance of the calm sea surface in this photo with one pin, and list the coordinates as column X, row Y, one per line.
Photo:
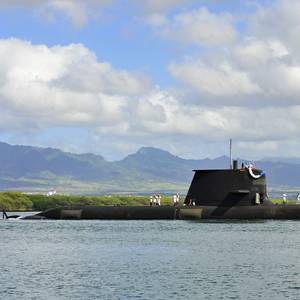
column 149, row 260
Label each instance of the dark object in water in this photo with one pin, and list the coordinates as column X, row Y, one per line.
column 291, row 212
column 6, row 216
column 13, row 217
column 216, row 194
column 110, row 212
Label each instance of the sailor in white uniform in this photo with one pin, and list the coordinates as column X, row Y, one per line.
column 284, row 198
column 175, row 200
column 158, row 199
column 298, row 199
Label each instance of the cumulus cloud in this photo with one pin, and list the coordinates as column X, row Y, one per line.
column 282, row 15
column 221, row 80
column 160, row 6
column 254, row 52
column 62, row 85
column 199, row 27
column 77, row 11
column 261, row 63
column 45, row 87
column 42, row 87
column 247, row 87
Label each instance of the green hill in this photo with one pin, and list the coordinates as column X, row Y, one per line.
column 148, row 170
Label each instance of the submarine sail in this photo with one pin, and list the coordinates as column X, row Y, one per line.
column 232, row 187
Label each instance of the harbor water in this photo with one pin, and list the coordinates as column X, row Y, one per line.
column 149, row 260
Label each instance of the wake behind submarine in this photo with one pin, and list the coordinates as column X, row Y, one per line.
column 235, row 193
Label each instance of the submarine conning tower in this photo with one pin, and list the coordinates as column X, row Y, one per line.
column 244, row 186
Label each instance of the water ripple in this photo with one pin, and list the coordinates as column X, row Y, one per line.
column 149, row 260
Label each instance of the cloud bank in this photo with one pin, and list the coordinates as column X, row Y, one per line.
column 239, row 83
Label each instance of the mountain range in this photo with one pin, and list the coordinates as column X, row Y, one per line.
column 148, row 170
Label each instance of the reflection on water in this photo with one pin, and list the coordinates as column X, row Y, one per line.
column 149, row 260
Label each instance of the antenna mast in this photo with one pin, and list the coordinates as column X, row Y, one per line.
column 230, row 152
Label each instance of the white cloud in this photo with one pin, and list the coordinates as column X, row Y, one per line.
column 161, row 6
column 67, row 86
column 199, row 27
column 279, row 21
column 221, row 80
column 62, row 85
column 261, row 66
column 245, row 86
column 256, row 52
column 77, row 11
column 249, row 89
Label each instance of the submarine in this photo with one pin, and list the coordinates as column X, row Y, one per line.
column 234, row 193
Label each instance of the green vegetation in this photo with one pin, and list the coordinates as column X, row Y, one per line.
column 17, row 201
column 279, row 201
column 41, row 202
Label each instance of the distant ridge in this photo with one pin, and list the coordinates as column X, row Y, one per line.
column 149, row 169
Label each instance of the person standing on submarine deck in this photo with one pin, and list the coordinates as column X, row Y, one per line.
column 151, row 200
column 158, row 199
column 284, row 198
column 298, row 199
column 4, row 215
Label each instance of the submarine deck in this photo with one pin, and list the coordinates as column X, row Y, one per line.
column 291, row 212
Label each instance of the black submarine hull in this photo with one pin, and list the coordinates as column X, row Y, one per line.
column 280, row 212
column 237, row 194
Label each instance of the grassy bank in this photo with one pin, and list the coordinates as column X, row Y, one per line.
column 11, row 201
column 16, row 201
column 279, row 201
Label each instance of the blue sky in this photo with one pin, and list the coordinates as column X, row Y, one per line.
column 111, row 76
column 121, row 38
